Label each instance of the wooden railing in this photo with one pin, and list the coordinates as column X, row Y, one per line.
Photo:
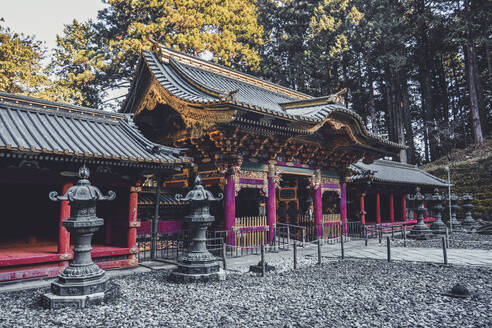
column 250, row 232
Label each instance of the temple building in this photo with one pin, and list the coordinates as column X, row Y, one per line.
column 42, row 146
column 280, row 156
column 377, row 192
column 283, row 160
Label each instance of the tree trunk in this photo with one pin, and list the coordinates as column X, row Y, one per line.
column 489, row 63
column 472, row 87
column 407, row 119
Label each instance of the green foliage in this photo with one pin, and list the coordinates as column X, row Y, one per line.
column 100, row 55
column 402, row 61
column 22, row 70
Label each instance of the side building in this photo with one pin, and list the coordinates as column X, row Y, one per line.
column 378, row 192
column 42, row 145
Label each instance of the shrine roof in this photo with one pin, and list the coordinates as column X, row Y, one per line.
column 395, row 172
column 203, row 83
column 38, row 126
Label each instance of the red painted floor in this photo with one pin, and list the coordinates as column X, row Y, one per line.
column 21, row 254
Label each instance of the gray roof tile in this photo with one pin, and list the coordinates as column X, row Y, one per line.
column 35, row 125
column 395, row 172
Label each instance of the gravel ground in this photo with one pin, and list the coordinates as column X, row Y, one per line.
column 348, row 293
column 457, row 240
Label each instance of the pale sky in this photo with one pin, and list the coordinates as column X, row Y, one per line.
column 45, row 18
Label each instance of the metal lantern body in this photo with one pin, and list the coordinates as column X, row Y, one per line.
column 198, row 264
column 469, row 223
column 453, row 223
column 82, row 280
column 420, row 230
column 436, row 200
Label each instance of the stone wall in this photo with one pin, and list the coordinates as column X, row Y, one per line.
column 474, row 177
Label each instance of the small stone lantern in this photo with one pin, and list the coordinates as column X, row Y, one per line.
column 468, row 223
column 453, row 223
column 198, row 264
column 436, row 200
column 82, row 281
column 420, row 230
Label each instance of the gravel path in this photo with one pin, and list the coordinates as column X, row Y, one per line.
column 349, row 293
column 457, row 240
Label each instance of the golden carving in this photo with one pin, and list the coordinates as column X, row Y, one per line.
column 197, row 117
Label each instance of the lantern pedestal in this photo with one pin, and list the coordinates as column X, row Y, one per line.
column 469, row 224
column 420, row 230
column 198, row 264
column 82, row 282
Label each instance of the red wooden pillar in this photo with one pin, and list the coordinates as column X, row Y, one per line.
column 362, row 209
column 404, row 206
column 392, row 207
column 63, row 234
column 133, row 223
column 378, row 208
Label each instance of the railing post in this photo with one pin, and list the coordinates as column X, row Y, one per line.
column 319, row 251
column 366, row 235
column 177, row 251
column 404, row 236
column 262, row 260
column 341, row 245
column 447, row 237
column 303, row 236
column 224, row 254
column 380, row 234
column 444, row 251
column 288, row 237
column 295, row 256
column 392, row 232
column 388, row 248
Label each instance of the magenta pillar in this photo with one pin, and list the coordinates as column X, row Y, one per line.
column 271, row 211
column 343, row 205
column 318, row 210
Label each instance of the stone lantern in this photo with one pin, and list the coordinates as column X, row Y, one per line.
column 420, row 230
column 453, row 223
column 198, row 264
column 436, row 200
column 468, row 223
column 82, row 281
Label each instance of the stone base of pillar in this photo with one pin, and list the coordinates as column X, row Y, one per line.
column 52, row 301
column 421, row 232
column 438, row 227
column 454, row 225
column 190, row 270
column 76, row 293
column 469, row 224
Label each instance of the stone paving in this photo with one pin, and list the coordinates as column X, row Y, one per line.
column 353, row 249
column 374, row 250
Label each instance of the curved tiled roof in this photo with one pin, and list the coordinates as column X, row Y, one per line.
column 39, row 126
column 395, row 172
column 194, row 80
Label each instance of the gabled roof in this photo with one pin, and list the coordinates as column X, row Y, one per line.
column 30, row 125
column 395, row 172
column 200, row 82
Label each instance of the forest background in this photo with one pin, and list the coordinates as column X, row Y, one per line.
column 417, row 71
